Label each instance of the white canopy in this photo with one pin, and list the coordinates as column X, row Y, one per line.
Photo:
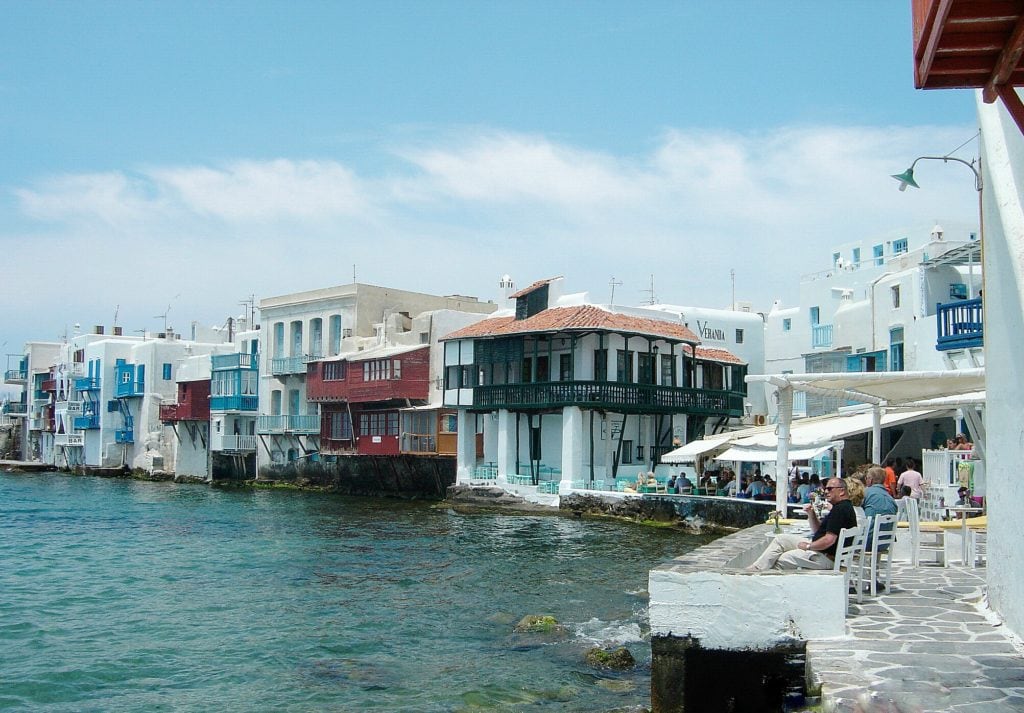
column 750, row 454
column 689, row 452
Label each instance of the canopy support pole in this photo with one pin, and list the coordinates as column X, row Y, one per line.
column 876, row 435
column 784, row 394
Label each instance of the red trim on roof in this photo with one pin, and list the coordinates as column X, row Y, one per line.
column 715, row 354
column 527, row 290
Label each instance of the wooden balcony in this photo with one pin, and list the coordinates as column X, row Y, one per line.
column 236, row 444
column 611, row 396
column 187, row 411
column 960, row 325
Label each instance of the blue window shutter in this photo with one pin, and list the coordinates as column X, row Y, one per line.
column 167, row 372
column 140, row 375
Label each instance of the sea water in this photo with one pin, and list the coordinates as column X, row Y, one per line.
column 121, row 595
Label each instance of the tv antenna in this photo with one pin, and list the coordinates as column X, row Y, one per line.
column 652, row 300
column 613, row 283
column 250, row 302
column 164, row 317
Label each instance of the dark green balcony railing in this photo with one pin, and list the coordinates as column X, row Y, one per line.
column 627, row 398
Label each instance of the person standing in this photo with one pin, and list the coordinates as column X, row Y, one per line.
column 890, row 477
column 796, row 552
column 912, row 479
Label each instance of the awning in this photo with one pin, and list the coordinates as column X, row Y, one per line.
column 689, row 452
column 749, row 454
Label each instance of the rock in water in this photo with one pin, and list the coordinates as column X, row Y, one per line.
column 619, row 659
column 538, row 624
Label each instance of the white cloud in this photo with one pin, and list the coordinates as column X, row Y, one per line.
column 456, row 215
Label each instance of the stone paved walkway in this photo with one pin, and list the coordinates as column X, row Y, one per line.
column 928, row 645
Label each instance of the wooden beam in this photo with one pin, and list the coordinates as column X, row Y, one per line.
column 1006, row 63
column 1013, row 104
column 931, row 33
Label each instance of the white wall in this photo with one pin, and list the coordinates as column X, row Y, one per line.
column 1003, row 161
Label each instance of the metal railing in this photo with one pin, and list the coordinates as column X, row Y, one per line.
column 234, row 403
column 283, row 366
column 234, row 361
column 294, row 423
column 821, row 335
column 13, row 376
column 238, row 443
column 959, row 325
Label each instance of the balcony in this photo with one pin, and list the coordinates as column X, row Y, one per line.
column 241, row 444
column 821, row 336
column 285, row 366
column 129, row 388
column 124, row 435
column 87, row 383
column 87, row 421
column 234, row 403
column 15, row 376
column 186, row 411
column 48, row 385
column 224, row 362
column 614, row 396
column 15, row 408
column 296, row 423
column 960, row 325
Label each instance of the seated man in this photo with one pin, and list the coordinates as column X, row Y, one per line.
column 797, row 552
column 683, row 483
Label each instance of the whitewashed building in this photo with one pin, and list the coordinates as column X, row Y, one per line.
column 558, row 393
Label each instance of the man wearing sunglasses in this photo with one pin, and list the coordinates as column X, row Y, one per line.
column 797, row 552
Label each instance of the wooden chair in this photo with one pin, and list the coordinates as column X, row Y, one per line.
column 883, row 537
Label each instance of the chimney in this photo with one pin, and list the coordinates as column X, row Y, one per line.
column 117, row 331
column 98, row 329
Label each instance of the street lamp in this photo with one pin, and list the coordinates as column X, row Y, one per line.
column 907, row 177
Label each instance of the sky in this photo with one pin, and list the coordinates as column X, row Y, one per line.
column 175, row 158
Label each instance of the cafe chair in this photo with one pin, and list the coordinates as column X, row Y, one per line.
column 876, row 549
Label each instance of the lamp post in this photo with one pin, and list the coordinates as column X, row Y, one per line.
column 907, row 179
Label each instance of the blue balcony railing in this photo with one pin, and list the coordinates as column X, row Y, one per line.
column 127, row 389
column 87, row 383
column 821, row 335
column 288, row 365
column 959, row 324
column 234, row 403
column 300, row 423
column 223, row 362
column 84, row 423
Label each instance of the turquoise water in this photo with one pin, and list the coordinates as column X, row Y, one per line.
column 118, row 595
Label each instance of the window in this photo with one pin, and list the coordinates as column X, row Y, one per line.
column 600, row 365
column 899, row 246
column 316, row 337
column 378, row 423
column 835, row 259
column 646, row 368
column 876, row 252
column 815, row 316
column 278, row 340
column 275, row 402
column 340, row 426
column 668, row 370
column 543, row 369
column 334, row 334
column 895, row 292
column 624, row 367
column 739, row 336
column 787, row 324
column 296, row 341
column 381, row 369
column 896, row 349
column 424, row 337
column 627, row 452
column 167, row 372
column 527, row 375
column 250, row 383
column 856, row 258
column 449, row 422
column 565, row 367
column 334, row 370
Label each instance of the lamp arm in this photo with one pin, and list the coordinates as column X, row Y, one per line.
column 978, row 185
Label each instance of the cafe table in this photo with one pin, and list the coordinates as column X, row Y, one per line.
column 963, row 510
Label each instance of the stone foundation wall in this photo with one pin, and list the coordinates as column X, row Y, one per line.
column 398, row 476
column 695, row 511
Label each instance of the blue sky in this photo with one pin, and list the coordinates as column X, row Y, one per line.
column 194, row 153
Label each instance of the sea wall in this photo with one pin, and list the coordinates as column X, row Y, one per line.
column 696, row 511
column 398, row 476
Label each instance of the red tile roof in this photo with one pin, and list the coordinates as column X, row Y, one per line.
column 530, row 288
column 584, row 318
column 722, row 355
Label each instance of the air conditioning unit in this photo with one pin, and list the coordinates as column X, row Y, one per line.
column 760, row 419
column 346, row 333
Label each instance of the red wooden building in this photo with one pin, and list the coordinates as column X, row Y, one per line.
column 361, row 396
